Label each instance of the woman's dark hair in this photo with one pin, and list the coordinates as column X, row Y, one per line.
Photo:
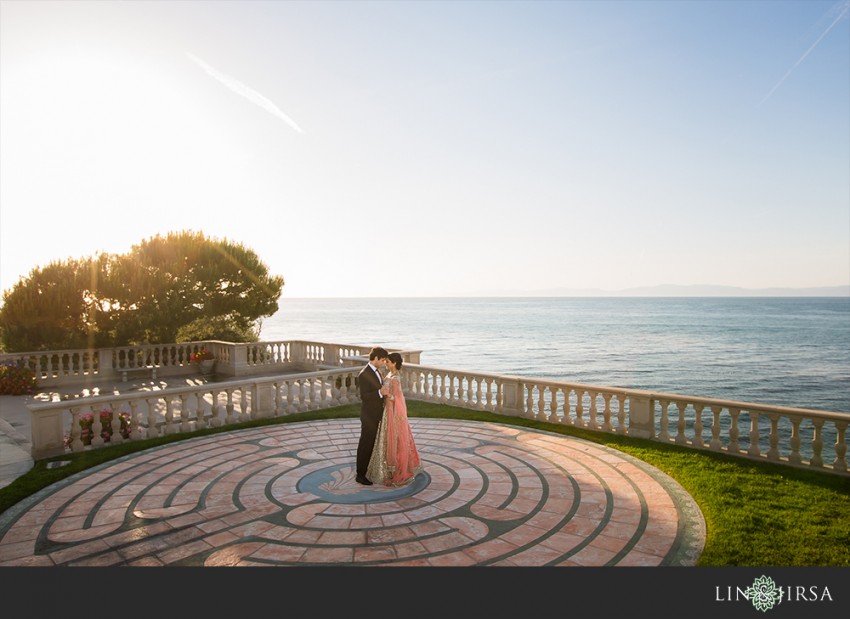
column 396, row 358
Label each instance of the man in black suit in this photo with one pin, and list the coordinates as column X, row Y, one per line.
column 369, row 383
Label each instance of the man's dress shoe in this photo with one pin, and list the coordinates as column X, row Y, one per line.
column 360, row 479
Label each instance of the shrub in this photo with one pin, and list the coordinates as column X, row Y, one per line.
column 16, row 379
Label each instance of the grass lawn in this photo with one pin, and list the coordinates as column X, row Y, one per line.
column 756, row 513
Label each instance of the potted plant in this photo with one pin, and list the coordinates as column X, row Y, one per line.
column 205, row 361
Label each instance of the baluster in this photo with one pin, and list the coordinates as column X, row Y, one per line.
column 773, row 437
column 97, row 429
column 169, row 417
column 214, row 420
column 840, row 463
column 231, row 409
column 277, row 399
column 492, row 395
column 733, row 431
column 817, row 443
column 315, row 392
column 698, row 440
column 592, row 421
column 244, row 413
column 564, row 417
column 152, row 432
column 606, row 413
column 184, row 414
column 541, row 404
column 553, row 405
column 303, row 404
column 455, row 390
column 200, row 418
column 529, row 403
column 76, row 431
column 580, row 408
column 715, row 444
column 681, row 438
column 135, row 421
column 567, row 406
column 305, row 396
column 326, row 399
column 115, row 437
column 334, row 393
column 621, row 413
column 290, row 397
column 343, row 388
column 755, row 436
column 470, row 398
column 442, row 388
column 794, row 457
column 664, row 435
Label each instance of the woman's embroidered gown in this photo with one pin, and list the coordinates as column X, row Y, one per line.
column 395, row 460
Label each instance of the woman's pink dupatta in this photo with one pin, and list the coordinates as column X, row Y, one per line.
column 402, row 456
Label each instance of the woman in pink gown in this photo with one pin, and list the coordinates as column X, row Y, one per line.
column 395, row 460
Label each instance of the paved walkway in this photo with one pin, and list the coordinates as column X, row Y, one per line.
column 491, row 495
column 15, row 441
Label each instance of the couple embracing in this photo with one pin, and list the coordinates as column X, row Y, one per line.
column 386, row 453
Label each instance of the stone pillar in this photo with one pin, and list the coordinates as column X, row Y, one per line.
column 48, row 438
column 641, row 416
column 512, row 397
column 104, row 363
column 264, row 405
column 238, row 360
column 411, row 356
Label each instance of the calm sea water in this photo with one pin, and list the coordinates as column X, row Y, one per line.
column 784, row 351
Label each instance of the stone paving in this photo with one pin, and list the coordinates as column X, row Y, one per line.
column 490, row 495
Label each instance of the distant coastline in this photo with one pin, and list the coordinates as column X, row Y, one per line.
column 672, row 291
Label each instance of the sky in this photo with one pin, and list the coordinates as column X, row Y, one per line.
column 404, row 148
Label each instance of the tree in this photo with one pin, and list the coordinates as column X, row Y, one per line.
column 166, row 289
column 54, row 307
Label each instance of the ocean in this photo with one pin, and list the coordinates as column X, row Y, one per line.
column 783, row 351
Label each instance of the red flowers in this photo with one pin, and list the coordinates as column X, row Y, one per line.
column 201, row 355
column 16, row 379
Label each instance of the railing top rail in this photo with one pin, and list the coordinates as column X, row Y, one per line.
column 39, row 353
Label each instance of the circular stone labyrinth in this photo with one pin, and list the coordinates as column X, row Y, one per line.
column 490, row 494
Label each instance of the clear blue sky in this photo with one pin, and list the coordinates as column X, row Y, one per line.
column 486, row 146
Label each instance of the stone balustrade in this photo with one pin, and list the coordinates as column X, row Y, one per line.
column 57, row 426
column 54, row 368
column 321, row 375
column 794, row 436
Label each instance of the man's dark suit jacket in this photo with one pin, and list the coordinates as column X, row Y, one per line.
column 371, row 403
column 371, row 411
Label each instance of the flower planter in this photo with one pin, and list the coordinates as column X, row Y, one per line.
column 206, row 367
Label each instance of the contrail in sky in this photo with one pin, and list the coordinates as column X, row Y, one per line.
column 807, row 52
column 249, row 93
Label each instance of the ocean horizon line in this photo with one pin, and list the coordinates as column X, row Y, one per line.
column 672, row 291
column 601, row 296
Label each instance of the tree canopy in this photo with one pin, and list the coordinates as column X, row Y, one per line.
column 180, row 287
